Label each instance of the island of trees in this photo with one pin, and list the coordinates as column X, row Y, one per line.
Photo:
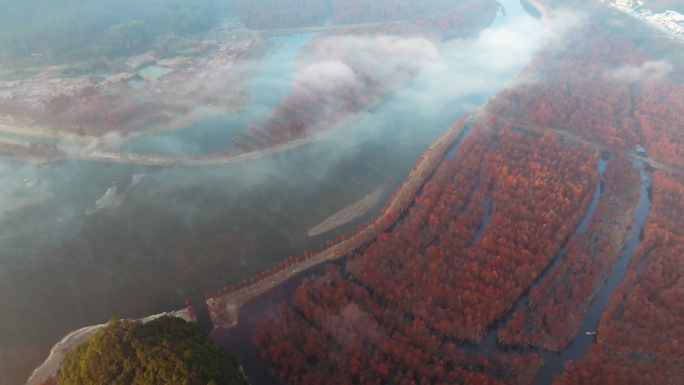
column 87, row 108
column 167, row 350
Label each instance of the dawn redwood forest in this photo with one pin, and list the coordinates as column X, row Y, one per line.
column 573, row 91
column 640, row 334
column 395, row 313
column 534, row 209
column 274, row 14
column 558, row 304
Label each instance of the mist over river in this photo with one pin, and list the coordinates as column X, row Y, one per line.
column 186, row 231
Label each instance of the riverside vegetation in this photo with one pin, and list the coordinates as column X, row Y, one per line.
column 163, row 351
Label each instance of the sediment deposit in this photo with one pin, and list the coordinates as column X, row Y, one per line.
column 347, row 214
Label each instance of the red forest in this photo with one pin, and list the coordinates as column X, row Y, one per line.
column 615, row 366
column 336, row 331
column 646, row 312
column 556, row 307
column 487, row 224
column 640, row 333
column 602, row 90
column 391, row 314
column 539, row 191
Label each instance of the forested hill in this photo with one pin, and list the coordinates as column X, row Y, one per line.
column 164, row 351
column 274, row 14
column 72, row 30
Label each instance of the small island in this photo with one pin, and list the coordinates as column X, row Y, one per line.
column 163, row 351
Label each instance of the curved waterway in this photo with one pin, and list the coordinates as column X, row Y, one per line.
column 183, row 232
column 579, row 346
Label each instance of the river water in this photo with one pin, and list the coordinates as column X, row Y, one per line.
column 184, row 232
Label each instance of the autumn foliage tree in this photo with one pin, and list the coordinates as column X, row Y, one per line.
column 646, row 312
column 556, row 306
column 602, row 89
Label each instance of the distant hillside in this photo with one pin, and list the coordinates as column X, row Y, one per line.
column 273, row 14
column 164, row 351
column 67, row 30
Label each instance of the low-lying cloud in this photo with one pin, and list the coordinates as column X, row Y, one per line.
column 647, row 70
column 327, row 76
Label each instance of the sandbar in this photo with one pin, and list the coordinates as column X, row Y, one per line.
column 347, row 214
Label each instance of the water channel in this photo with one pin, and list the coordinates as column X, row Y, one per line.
column 579, row 346
column 184, row 232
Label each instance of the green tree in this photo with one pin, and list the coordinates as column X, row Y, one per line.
column 127, row 38
column 164, row 351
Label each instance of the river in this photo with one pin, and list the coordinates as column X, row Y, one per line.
column 184, row 232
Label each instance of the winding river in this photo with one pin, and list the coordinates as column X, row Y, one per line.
column 183, row 232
